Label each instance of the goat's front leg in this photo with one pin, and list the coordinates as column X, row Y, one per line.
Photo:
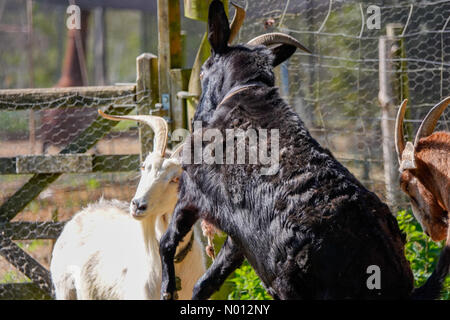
column 229, row 259
column 181, row 223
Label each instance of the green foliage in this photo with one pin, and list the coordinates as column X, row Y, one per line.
column 421, row 251
column 247, row 285
column 93, row 184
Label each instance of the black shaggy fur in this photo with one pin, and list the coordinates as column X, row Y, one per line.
column 311, row 230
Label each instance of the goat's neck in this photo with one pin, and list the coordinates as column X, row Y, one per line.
column 150, row 233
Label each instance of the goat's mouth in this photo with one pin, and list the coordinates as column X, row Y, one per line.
column 138, row 214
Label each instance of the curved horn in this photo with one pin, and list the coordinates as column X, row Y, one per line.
column 429, row 123
column 399, row 135
column 158, row 125
column 237, row 22
column 276, row 38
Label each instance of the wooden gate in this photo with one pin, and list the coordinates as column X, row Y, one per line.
column 156, row 91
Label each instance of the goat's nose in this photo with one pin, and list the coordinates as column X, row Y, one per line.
column 140, row 206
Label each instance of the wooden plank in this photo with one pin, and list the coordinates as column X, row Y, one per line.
column 25, row 230
column 62, row 163
column 179, row 79
column 22, row 291
column 116, row 163
column 141, row 5
column 26, row 264
column 176, row 54
column 20, row 99
column 39, row 182
column 163, row 46
column 147, row 95
column 195, row 88
column 388, row 98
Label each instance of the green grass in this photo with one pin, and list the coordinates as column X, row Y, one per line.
column 421, row 251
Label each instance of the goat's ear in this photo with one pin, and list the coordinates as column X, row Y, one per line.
column 282, row 52
column 218, row 28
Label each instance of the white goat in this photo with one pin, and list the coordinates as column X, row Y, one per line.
column 104, row 252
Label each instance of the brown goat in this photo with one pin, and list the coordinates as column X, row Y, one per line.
column 425, row 171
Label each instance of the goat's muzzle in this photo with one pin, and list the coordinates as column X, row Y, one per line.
column 138, row 208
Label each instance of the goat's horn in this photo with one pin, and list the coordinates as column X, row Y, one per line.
column 237, row 22
column 158, row 125
column 276, row 38
column 399, row 135
column 430, row 121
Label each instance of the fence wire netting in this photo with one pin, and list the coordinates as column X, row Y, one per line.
column 334, row 90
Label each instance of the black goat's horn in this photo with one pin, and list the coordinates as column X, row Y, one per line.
column 237, row 22
column 277, row 38
column 430, row 121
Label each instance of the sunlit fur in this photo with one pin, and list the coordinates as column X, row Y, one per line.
column 105, row 253
column 428, row 186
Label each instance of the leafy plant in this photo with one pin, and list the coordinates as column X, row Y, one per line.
column 421, row 251
column 247, row 285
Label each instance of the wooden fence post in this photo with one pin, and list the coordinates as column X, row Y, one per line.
column 389, row 99
column 146, row 96
column 179, row 79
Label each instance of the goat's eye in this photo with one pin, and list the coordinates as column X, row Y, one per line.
column 142, row 167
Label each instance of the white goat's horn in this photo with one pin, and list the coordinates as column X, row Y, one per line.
column 237, row 22
column 276, row 38
column 177, row 151
column 430, row 121
column 158, row 125
column 399, row 135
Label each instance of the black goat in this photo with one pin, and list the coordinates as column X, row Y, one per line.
column 311, row 230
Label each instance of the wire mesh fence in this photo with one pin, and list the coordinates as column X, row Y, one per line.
column 73, row 172
column 335, row 91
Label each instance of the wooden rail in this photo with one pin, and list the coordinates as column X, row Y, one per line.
column 69, row 163
column 36, row 99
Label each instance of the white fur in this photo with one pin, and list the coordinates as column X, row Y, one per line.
column 105, row 253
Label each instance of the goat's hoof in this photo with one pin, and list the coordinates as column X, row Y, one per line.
column 178, row 283
column 175, row 296
column 167, row 296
